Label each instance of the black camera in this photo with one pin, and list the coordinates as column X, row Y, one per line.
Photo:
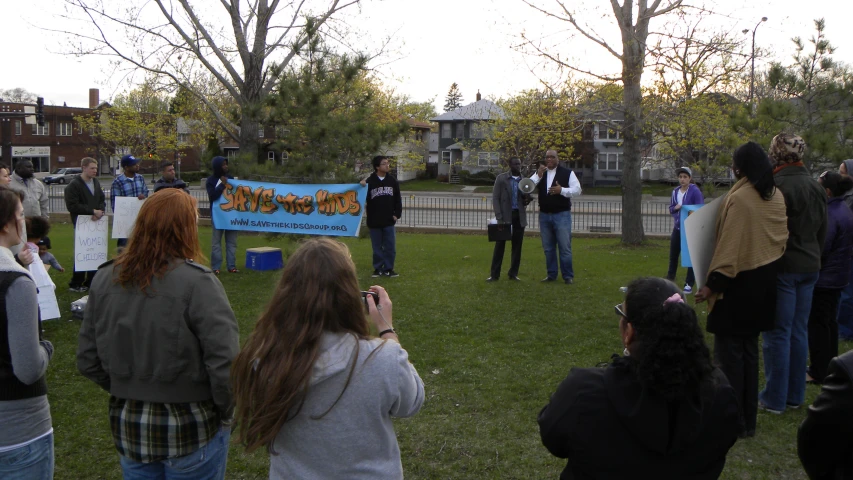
column 375, row 298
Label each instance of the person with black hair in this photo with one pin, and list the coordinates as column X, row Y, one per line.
column 662, row 407
column 169, row 178
column 751, row 232
column 834, row 276
column 384, row 207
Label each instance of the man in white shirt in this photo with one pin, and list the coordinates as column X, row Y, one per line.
column 555, row 215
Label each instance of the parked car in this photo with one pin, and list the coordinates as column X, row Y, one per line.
column 62, row 175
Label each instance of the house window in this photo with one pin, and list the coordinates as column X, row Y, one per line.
column 460, row 130
column 445, row 130
column 260, row 132
column 232, row 154
column 479, row 130
column 183, row 138
column 17, row 127
column 610, row 161
column 63, row 129
column 488, row 159
column 445, row 156
column 45, row 130
column 271, row 156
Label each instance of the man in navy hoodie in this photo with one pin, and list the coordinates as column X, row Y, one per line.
column 384, row 208
column 215, row 186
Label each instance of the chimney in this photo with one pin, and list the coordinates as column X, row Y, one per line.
column 94, row 100
column 478, row 94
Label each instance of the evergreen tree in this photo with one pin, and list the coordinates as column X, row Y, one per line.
column 453, row 99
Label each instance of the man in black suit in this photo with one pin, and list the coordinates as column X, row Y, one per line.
column 555, row 215
column 509, row 203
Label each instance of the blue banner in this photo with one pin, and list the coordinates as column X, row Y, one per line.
column 332, row 209
column 685, row 252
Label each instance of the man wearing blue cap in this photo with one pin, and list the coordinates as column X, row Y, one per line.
column 128, row 184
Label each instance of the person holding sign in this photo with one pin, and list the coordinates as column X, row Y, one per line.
column 216, row 184
column 751, row 233
column 686, row 193
column 159, row 335
column 129, row 184
column 84, row 196
column 26, row 431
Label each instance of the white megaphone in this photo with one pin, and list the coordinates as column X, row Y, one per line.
column 526, row 185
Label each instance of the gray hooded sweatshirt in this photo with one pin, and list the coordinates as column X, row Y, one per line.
column 355, row 439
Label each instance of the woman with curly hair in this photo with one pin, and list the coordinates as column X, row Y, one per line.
column 662, row 407
column 751, row 233
column 159, row 335
column 313, row 386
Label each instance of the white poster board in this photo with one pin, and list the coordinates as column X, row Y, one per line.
column 700, row 228
column 48, row 305
column 124, row 216
column 90, row 243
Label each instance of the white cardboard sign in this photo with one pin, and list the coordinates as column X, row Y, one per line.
column 124, row 216
column 701, row 230
column 90, row 243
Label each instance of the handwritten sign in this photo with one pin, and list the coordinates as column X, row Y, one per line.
column 48, row 305
column 90, row 243
column 124, row 215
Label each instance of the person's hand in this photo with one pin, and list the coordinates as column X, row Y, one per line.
column 703, row 294
column 395, row 218
column 62, row 270
column 97, row 215
column 25, row 256
column 677, row 208
column 541, row 170
column 556, row 189
column 380, row 313
column 223, row 179
column 141, row 196
column 363, row 182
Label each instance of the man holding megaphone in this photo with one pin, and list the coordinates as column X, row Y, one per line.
column 509, row 202
column 555, row 215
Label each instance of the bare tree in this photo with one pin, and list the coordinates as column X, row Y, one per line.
column 243, row 44
column 632, row 18
column 18, row 95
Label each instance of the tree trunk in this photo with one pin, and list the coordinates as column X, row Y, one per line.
column 249, row 108
column 632, row 98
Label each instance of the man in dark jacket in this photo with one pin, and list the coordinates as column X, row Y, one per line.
column 216, row 184
column 555, row 215
column 786, row 347
column 169, row 179
column 84, row 196
column 384, row 208
column 509, row 204
column 825, row 439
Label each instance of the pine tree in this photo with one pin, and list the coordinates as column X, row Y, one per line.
column 453, row 99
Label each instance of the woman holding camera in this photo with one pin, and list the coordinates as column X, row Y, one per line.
column 313, row 386
column 662, row 407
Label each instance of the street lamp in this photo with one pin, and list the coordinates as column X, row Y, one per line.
column 752, row 70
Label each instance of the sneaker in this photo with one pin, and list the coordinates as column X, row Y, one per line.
column 376, row 273
column 216, row 272
column 688, row 289
column 762, row 406
column 547, row 279
column 77, row 289
column 391, row 273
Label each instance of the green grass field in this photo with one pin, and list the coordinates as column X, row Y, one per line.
column 490, row 355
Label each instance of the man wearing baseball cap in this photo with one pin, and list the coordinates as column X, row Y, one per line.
column 128, row 184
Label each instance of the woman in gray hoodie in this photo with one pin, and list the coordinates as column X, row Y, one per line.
column 313, row 386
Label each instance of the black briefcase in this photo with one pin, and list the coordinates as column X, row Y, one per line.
column 500, row 231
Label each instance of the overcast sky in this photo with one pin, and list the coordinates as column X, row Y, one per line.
column 433, row 44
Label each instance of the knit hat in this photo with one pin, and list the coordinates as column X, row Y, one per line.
column 787, row 148
column 848, row 164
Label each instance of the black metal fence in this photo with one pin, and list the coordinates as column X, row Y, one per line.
column 473, row 213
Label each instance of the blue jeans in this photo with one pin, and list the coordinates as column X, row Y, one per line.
column 786, row 347
column 230, row 249
column 556, row 232
column 33, row 461
column 384, row 241
column 845, row 313
column 206, row 463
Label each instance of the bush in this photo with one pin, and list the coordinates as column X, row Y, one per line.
column 193, row 177
column 483, row 177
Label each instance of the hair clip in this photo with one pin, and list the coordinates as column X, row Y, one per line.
column 675, row 298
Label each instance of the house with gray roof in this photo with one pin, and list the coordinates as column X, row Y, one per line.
column 460, row 136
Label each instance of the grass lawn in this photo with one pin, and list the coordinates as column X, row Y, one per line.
column 490, row 355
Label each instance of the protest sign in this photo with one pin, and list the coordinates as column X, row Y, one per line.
column 685, row 211
column 48, row 305
column 124, row 215
column 90, row 243
column 325, row 209
column 701, row 230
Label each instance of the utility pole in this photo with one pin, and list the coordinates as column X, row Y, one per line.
column 752, row 70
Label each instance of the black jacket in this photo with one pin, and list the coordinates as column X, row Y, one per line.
column 825, row 439
column 805, row 205
column 80, row 201
column 177, row 183
column 554, row 203
column 609, row 427
column 383, row 201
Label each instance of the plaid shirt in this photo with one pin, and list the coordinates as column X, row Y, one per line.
column 150, row 432
column 127, row 187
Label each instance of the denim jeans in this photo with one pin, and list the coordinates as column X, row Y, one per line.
column 845, row 313
column 230, row 249
column 674, row 252
column 206, row 463
column 786, row 347
column 384, row 241
column 33, row 461
column 556, row 232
